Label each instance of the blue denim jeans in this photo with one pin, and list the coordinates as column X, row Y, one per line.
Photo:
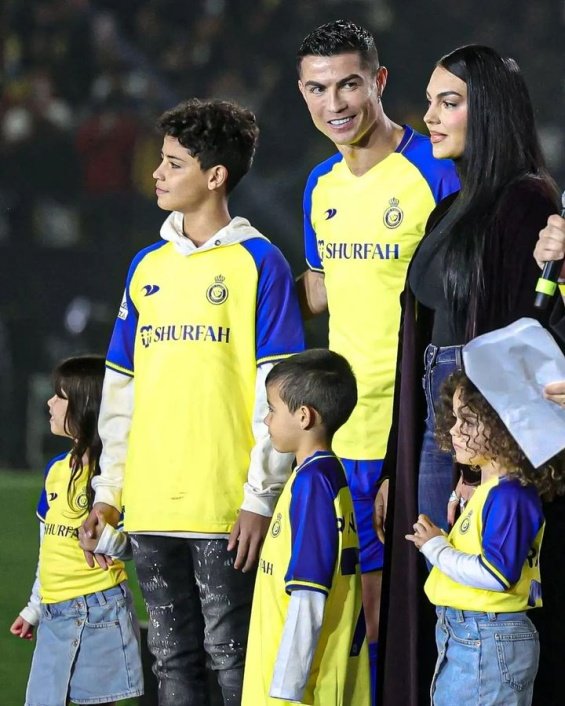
column 484, row 659
column 435, row 475
column 199, row 608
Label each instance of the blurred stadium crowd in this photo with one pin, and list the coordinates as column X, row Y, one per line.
column 83, row 81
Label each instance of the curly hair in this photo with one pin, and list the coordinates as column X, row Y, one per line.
column 79, row 380
column 496, row 443
column 340, row 37
column 214, row 132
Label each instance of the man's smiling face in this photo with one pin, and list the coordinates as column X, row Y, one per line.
column 342, row 95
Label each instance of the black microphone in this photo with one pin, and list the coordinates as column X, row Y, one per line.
column 547, row 283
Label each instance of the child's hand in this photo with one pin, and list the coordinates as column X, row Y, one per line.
column 21, row 628
column 247, row 537
column 91, row 531
column 89, row 543
column 424, row 530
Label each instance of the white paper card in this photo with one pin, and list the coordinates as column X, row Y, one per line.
column 510, row 367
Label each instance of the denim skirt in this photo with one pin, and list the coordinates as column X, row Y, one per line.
column 87, row 651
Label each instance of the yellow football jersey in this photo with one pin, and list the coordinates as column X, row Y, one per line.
column 311, row 544
column 191, row 331
column 361, row 233
column 503, row 525
column 63, row 571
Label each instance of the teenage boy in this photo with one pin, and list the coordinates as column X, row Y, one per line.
column 205, row 314
column 307, row 634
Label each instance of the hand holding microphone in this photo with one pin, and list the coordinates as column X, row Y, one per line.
column 550, row 253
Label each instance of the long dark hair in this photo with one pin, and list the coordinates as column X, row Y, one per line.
column 501, row 148
column 79, row 380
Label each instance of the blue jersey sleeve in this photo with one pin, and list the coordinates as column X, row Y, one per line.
column 311, row 245
column 279, row 330
column 122, row 343
column 311, row 251
column 43, row 503
column 440, row 174
column 314, row 528
column 512, row 517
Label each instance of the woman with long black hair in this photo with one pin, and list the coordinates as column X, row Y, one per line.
column 473, row 272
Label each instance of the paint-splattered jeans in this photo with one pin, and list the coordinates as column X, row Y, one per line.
column 198, row 605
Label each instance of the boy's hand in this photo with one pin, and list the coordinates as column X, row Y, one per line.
column 92, row 530
column 21, row 628
column 89, row 544
column 424, row 530
column 379, row 510
column 248, row 534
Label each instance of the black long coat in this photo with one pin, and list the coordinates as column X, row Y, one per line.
column 407, row 648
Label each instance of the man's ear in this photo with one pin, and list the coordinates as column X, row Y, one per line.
column 217, row 177
column 381, row 79
column 302, row 89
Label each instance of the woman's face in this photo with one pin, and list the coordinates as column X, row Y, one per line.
column 446, row 117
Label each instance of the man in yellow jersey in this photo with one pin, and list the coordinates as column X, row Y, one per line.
column 206, row 312
column 365, row 209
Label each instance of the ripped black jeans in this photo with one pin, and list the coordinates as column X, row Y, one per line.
column 198, row 605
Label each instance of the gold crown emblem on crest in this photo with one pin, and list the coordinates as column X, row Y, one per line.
column 219, row 278
column 393, row 201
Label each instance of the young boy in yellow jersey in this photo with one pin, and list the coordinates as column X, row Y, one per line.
column 307, row 635
column 365, row 209
column 206, row 313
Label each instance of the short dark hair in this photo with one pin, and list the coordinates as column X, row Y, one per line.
column 214, row 132
column 549, row 479
column 320, row 379
column 340, row 37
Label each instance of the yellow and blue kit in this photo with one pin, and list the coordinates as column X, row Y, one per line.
column 311, row 545
column 361, row 232
column 191, row 331
column 502, row 527
column 63, row 571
